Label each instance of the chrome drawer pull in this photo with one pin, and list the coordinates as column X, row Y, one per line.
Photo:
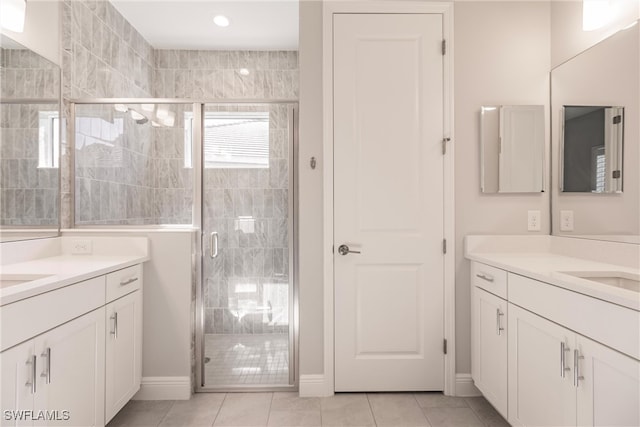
column 484, row 276
column 47, row 374
column 576, row 367
column 128, row 282
column 499, row 327
column 115, row 325
column 32, row 383
column 563, row 350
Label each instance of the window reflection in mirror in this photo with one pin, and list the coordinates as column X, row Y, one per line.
column 512, row 148
column 592, row 149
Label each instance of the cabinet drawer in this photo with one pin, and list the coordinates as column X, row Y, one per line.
column 29, row 317
column 122, row 282
column 489, row 278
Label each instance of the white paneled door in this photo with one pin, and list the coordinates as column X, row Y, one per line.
column 388, row 202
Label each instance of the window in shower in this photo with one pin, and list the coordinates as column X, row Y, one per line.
column 232, row 139
column 129, row 164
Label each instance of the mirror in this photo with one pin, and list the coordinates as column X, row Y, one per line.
column 595, row 111
column 512, row 149
column 592, row 147
column 29, row 144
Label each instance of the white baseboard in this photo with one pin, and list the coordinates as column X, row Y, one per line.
column 164, row 388
column 314, row 386
column 465, row 386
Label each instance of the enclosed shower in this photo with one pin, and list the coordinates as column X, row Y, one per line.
column 226, row 168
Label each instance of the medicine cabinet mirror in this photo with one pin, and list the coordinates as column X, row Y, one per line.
column 592, row 147
column 29, row 144
column 512, row 139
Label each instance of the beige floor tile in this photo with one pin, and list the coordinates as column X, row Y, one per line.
column 439, row 400
column 244, row 409
column 452, row 417
column 346, row 410
column 290, row 410
column 199, row 411
column 141, row 413
column 396, row 409
column 486, row 412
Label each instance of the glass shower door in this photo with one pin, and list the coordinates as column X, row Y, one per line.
column 247, row 268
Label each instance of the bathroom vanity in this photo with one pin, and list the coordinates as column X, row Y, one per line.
column 71, row 341
column 555, row 335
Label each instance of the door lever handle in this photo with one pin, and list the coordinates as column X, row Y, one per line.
column 344, row 250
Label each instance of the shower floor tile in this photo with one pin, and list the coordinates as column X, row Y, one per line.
column 259, row 359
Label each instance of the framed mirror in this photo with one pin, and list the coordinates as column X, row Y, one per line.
column 592, row 149
column 512, row 140
column 29, row 144
column 595, row 141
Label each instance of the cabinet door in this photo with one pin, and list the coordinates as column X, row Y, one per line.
column 124, row 351
column 17, row 369
column 609, row 392
column 71, row 372
column 489, row 369
column 541, row 393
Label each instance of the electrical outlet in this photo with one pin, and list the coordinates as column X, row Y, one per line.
column 81, row 246
column 566, row 220
column 533, row 220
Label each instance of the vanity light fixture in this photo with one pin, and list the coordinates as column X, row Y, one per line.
column 221, row 21
column 136, row 116
column 13, row 14
column 595, row 14
column 121, row 108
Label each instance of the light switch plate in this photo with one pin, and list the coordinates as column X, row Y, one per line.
column 533, row 221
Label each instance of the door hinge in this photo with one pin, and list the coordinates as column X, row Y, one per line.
column 444, row 246
column 617, row 119
column 444, row 346
column 444, row 47
column 444, row 145
column 617, row 174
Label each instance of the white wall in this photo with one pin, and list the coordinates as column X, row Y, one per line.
column 501, row 58
column 310, row 189
column 41, row 29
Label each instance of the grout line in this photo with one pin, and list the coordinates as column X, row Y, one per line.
column 270, row 406
column 373, row 415
column 167, row 413
column 476, row 413
column 224, row 399
column 421, row 409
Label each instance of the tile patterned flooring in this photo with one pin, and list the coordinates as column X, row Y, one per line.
column 246, row 359
column 289, row 410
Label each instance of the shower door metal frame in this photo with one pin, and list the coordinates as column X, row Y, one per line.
column 292, row 118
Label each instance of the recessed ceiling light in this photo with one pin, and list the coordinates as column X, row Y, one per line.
column 221, row 21
column 136, row 116
column 244, row 72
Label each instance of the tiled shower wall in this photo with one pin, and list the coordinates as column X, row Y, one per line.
column 102, row 56
column 29, row 194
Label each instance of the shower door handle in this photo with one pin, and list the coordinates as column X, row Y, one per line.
column 214, row 244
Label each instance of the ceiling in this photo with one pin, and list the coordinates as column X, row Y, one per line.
column 188, row 24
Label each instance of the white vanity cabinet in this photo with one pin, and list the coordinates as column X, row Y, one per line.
column 123, row 339
column 60, row 370
column 572, row 360
column 489, row 335
column 72, row 356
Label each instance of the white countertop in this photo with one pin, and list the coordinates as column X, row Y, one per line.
column 548, row 267
column 62, row 270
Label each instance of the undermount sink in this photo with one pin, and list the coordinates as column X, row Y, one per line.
column 7, row 280
column 617, row 279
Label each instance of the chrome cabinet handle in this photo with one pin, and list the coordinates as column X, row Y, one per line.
column 499, row 327
column 576, row 367
column 47, row 373
column 114, row 332
column 32, row 383
column 564, row 349
column 344, row 250
column 484, row 276
column 128, row 282
column 214, row 244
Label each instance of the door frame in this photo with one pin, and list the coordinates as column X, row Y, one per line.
column 338, row 7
